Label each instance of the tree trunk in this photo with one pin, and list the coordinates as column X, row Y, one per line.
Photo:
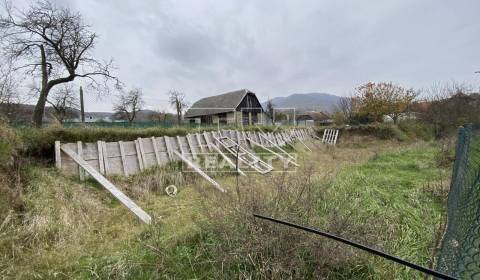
column 179, row 116
column 42, row 99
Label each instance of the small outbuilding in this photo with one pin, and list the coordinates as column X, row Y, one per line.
column 314, row 118
column 236, row 107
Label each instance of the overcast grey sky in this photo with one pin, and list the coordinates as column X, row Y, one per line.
column 276, row 48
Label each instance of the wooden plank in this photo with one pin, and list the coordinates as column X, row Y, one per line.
column 237, row 135
column 301, row 141
column 169, row 148
column 155, row 150
column 206, row 136
column 228, row 160
column 180, row 145
column 336, row 137
column 258, row 138
column 216, row 134
column 58, row 155
column 125, row 200
column 199, row 171
column 273, row 152
column 278, row 147
column 122, row 155
column 139, row 155
column 199, row 141
column 105, row 158
column 81, row 173
column 101, row 166
column 142, row 152
column 247, row 143
column 279, row 139
column 190, row 145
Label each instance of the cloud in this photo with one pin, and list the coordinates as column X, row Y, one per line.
column 276, row 48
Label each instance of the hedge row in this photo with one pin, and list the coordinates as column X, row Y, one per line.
column 404, row 131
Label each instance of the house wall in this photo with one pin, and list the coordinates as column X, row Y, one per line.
column 234, row 118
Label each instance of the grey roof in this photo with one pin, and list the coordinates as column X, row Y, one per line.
column 316, row 116
column 217, row 104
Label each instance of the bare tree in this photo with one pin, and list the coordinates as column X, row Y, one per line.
column 448, row 105
column 56, row 43
column 129, row 104
column 178, row 101
column 64, row 102
column 346, row 107
column 10, row 96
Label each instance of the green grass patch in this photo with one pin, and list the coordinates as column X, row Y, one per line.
column 391, row 193
column 71, row 229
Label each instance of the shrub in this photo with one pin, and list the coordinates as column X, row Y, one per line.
column 10, row 181
column 404, row 131
column 9, row 145
column 379, row 130
column 415, row 129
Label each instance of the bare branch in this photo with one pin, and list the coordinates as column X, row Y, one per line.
column 178, row 100
column 129, row 104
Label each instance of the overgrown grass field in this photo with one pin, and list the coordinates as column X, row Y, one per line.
column 385, row 194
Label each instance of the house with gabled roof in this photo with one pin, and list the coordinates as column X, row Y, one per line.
column 314, row 118
column 235, row 107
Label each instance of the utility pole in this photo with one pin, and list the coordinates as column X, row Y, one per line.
column 82, row 108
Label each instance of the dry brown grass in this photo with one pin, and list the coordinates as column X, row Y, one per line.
column 75, row 229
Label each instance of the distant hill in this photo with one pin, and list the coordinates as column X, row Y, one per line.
column 307, row 101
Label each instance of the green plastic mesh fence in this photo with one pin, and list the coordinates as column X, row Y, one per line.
column 459, row 254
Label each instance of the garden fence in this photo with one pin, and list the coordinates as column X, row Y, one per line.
column 459, row 254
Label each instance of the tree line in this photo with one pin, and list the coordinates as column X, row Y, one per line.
column 443, row 106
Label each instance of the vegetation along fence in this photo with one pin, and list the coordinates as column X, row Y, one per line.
column 460, row 250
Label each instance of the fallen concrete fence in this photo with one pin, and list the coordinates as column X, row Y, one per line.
column 125, row 158
column 130, row 157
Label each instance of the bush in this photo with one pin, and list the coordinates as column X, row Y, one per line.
column 10, row 181
column 415, row 129
column 379, row 130
column 10, row 144
column 404, row 131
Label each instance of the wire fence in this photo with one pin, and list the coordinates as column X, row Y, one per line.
column 459, row 254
